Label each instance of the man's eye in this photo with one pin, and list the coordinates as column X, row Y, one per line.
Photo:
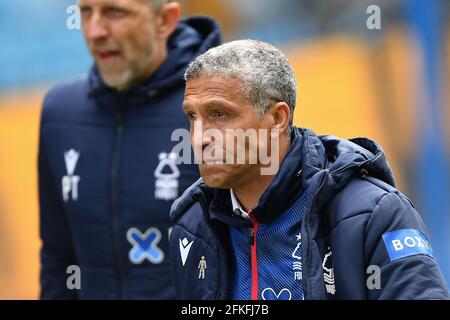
column 191, row 115
column 116, row 12
column 86, row 12
column 217, row 114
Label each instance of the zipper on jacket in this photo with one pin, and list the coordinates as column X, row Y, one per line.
column 115, row 202
column 308, row 254
column 254, row 259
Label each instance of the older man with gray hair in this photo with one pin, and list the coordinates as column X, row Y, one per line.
column 107, row 178
column 328, row 224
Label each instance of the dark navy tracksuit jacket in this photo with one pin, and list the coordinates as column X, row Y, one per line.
column 107, row 178
column 330, row 226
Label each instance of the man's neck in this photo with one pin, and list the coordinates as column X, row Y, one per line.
column 251, row 192
column 154, row 65
column 158, row 60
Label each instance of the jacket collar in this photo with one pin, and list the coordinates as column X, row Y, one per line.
column 309, row 159
column 281, row 194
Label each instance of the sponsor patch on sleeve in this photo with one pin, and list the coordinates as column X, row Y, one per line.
column 406, row 242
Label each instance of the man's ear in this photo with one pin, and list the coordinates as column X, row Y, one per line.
column 167, row 19
column 281, row 115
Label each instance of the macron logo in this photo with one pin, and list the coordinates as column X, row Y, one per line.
column 185, row 247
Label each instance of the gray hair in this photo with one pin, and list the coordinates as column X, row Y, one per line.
column 265, row 72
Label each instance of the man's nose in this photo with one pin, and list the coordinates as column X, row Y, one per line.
column 199, row 138
column 96, row 28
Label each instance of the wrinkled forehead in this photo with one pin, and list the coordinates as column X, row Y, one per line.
column 125, row 3
column 206, row 94
column 205, row 87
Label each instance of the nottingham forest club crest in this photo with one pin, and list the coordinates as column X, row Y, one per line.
column 166, row 174
column 328, row 272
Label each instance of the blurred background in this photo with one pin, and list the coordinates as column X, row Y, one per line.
column 390, row 84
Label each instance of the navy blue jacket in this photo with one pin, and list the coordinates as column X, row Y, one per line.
column 107, row 179
column 331, row 225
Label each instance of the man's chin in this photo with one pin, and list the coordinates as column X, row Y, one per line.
column 215, row 176
column 119, row 81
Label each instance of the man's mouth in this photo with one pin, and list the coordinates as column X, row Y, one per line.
column 212, row 161
column 108, row 55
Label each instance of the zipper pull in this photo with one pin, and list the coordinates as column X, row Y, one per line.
column 252, row 229
column 252, row 235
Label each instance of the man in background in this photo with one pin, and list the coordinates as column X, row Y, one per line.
column 106, row 174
